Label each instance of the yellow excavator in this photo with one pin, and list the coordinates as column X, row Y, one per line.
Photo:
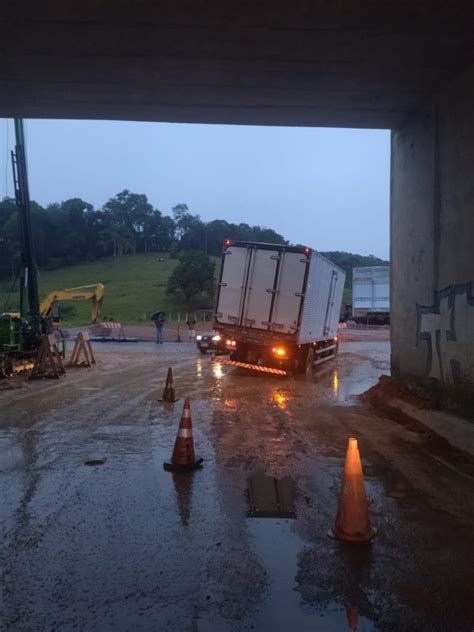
column 95, row 293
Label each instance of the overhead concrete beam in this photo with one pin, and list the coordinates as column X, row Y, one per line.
column 366, row 64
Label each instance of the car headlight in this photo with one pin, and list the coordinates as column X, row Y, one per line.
column 216, row 338
column 198, row 337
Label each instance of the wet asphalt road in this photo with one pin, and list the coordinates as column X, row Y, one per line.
column 128, row 546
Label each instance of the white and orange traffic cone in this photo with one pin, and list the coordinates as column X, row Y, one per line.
column 168, row 392
column 183, row 454
column 353, row 521
column 352, row 615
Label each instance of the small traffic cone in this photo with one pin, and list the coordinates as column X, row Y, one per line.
column 183, row 454
column 352, row 520
column 352, row 615
column 168, row 392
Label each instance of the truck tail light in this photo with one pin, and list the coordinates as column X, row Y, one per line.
column 227, row 243
column 279, row 352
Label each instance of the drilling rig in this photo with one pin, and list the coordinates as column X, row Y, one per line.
column 20, row 332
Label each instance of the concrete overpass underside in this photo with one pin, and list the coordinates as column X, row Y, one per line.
column 405, row 66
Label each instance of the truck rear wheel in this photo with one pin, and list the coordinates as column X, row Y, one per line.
column 309, row 361
column 305, row 361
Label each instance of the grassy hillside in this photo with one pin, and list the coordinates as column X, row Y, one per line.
column 135, row 287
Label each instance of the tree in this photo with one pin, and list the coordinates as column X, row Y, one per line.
column 190, row 229
column 159, row 232
column 130, row 211
column 193, row 276
column 119, row 237
column 180, row 212
column 63, row 232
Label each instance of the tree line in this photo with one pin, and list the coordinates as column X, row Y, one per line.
column 72, row 231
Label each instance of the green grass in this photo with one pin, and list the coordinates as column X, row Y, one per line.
column 135, row 286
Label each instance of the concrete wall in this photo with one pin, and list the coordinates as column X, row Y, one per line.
column 432, row 247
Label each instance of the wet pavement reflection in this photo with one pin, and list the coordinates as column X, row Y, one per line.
column 241, row 544
column 183, row 485
column 279, row 547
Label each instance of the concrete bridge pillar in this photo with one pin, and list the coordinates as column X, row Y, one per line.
column 432, row 246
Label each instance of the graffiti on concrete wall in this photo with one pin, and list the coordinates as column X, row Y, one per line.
column 447, row 326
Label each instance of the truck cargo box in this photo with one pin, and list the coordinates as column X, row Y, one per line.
column 270, row 291
column 370, row 291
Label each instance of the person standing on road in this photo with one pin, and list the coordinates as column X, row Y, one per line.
column 56, row 313
column 191, row 323
column 159, row 319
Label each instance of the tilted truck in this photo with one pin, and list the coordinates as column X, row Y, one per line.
column 278, row 307
column 371, row 295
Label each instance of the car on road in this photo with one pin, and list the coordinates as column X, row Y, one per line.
column 211, row 341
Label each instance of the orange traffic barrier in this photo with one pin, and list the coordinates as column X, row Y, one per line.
column 168, row 392
column 352, row 617
column 352, row 521
column 183, row 454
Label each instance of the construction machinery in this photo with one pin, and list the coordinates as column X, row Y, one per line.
column 21, row 331
column 94, row 293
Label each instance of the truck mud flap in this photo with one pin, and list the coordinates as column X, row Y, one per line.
column 252, row 367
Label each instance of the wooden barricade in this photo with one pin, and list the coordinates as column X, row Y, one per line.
column 48, row 362
column 82, row 347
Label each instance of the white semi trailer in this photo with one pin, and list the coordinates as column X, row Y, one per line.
column 278, row 307
column 371, row 294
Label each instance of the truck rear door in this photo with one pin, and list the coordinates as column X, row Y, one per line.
column 260, row 288
column 290, row 287
column 235, row 266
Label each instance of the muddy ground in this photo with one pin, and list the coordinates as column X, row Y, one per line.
column 127, row 546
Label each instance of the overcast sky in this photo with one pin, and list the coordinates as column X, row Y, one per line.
column 328, row 188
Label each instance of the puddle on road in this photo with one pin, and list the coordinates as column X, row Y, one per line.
column 278, row 547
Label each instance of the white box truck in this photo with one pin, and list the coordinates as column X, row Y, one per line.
column 371, row 294
column 278, row 307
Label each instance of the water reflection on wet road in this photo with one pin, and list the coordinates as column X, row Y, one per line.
column 240, row 544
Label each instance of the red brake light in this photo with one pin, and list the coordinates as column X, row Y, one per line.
column 227, row 243
column 307, row 251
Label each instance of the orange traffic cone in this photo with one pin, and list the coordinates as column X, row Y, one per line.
column 352, row 617
column 168, row 393
column 352, row 520
column 183, row 454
